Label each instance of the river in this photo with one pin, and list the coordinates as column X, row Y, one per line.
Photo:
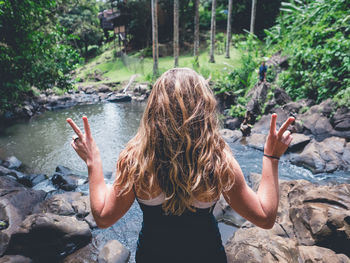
column 44, row 142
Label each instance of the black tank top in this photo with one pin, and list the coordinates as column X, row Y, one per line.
column 189, row 238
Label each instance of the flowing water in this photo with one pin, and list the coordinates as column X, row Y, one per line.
column 44, row 142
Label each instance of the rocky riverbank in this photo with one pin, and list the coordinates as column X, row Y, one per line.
column 321, row 132
column 313, row 222
column 54, row 226
column 312, row 225
column 84, row 94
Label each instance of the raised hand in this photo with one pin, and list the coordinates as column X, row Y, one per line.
column 84, row 144
column 277, row 142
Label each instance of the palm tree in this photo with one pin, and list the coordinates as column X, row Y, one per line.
column 154, row 6
column 176, row 33
column 196, row 31
column 228, row 40
column 252, row 18
column 212, row 29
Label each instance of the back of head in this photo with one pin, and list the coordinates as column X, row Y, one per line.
column 178, row 147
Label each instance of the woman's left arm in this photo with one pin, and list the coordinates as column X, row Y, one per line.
column 107, row 206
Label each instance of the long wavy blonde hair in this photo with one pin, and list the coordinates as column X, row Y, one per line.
column 178, row 147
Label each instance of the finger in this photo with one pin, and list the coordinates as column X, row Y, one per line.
column 285, row 126
column 75, row 127
column 273, row 123
column 73, row 145
column 289, row 139
column 86, row 126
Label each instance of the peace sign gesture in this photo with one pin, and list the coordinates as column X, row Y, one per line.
column 278, row 141
column 84, row 144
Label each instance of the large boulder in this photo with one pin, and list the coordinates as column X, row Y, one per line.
column 299, row 142
column 255, row 245
column 257, row 141
column 257, row 97
column 312, row 225
column 46, row 237
column 341, row 119
column 16, row 202
column 325, row 156
column 230, row 135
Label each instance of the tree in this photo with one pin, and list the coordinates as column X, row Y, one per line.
column 228, row 40
column 196, row 31
column 212, row 31
column 176, row 33
column 81, row 20
column 154, row 8
column 252, row 18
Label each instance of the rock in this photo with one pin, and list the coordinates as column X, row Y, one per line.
column 87, row 254
column 278, row 60
column 119, row 98
column 256, row 141
column 15, row 259
column 141, row 88
column 15, row 204
column 281, row 96
column 294, row 106
column 230, row 135
column 12, row 163
column 32, row 179
column 65, row 182
column 312, row 225
column 48, row 237
column 346, row 154
column 66, row 204
column 232, row 123
column 325, row 108
column 113, row 252
column 314, row 254
column 317, row 124
column 299, row 141
column 325, row 156
column 255, row 245
column 7, row 182
column 103, row 88
column 90, row 91
column 258, row 97
column 341, row 119
column 7, row 172
column 321, row 216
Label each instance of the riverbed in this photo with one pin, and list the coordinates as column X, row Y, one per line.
column 43, row 142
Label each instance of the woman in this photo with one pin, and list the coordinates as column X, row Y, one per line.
column 177, row 166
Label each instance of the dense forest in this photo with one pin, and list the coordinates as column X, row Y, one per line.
column 42, row 42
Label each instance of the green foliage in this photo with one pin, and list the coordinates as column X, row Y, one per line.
column 241, row 79
column 31, row 52
column 315, row 35
column 342, row 98
column 82, row 21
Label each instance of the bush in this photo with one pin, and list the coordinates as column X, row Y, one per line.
column 315, row 35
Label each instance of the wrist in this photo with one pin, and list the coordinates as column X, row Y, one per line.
column 91, row 163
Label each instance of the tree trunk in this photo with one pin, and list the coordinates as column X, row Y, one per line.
column 155, row 36
column 212, row 29
column 176, row 33
column 252, row 18
column 228, row 40
column 196, row 31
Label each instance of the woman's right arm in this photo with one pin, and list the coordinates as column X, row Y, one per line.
column 261, row 208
